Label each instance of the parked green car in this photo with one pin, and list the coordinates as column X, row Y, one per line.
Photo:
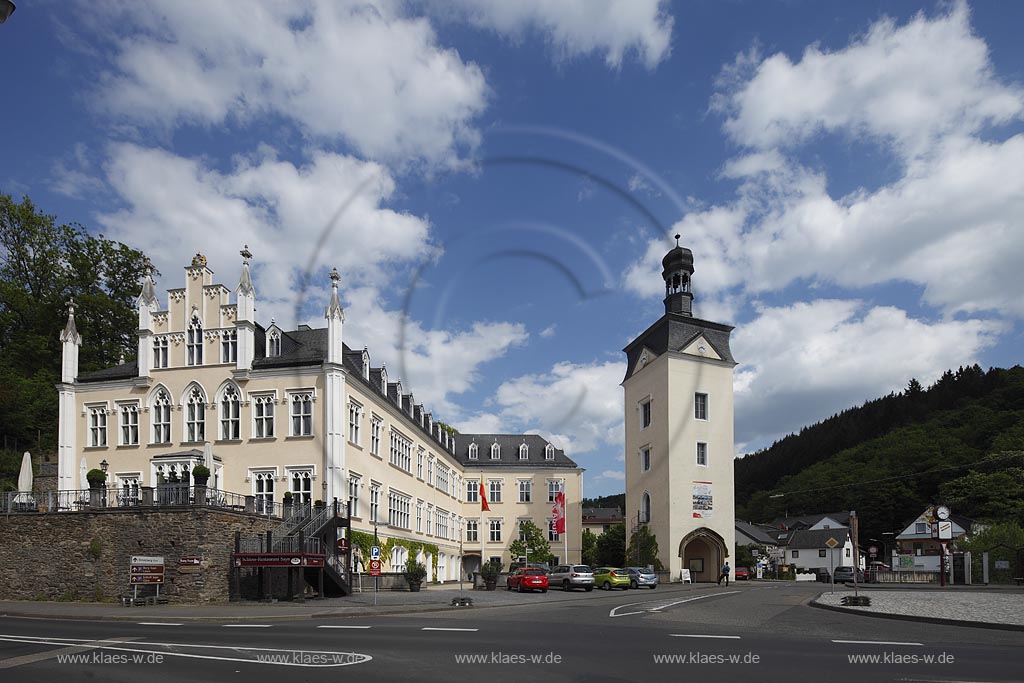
column 610, row 577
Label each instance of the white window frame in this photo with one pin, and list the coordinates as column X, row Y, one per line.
column 554, row 488
column 355, row 481
column 553, row 536
column 399, row 505
column 97, row 416
column 419, row 516
column 194, row 342
column 472, row 531
column 472, row 490
column 273, row 343
column 700, row 406
column 260, row 478
column 702, row 454
column 401, row 451
column 298, row 397
column 129, row 409
column 375, row 502
column 524, row 451
column 230, row 414
column 495, row 451
column 264, row 413
column 160, row 416
column 300, row 477
column 494, row 530
column 376, row 426
column 525, row 487
column 195, row 414
column 160, row 352
column 355, row 420
column 549, row 452
column 494, row 487
column 228, row 346
column 474, row 451
column 430, row 470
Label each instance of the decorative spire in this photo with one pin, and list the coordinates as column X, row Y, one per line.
column 148, row 295
column 334, row 308
column 70, row 334
column 245, row 282
column 677, row 240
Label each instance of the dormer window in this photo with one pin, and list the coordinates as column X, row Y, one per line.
column 524, row 451
column 474, row 451
column 495, row 451
column 549, row 452
column 194, row 345
column 274, row 343
column 366, row 365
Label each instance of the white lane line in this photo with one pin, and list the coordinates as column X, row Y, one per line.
column 247, row 625
column 700, row 635
column 327, row 626
column 875, row 642
column 12, row 662
column 612, row 613
column 157, row 623
column 437, row 628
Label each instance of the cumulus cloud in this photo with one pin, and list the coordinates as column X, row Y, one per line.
column 908, row 85
column 362, row 73
column 802, row 363
column 615, row 28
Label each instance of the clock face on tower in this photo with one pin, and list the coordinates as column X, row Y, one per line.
column 942, row 512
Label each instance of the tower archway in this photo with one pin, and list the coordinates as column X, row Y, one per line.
column 703, row 551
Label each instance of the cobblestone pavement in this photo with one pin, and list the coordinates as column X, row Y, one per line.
column 996, row 607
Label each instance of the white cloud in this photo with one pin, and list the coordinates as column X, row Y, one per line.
column 908, row 84
column 804, row 362
column 615, row 475
column 549, row 331
column 359, row 72
column 615, row 28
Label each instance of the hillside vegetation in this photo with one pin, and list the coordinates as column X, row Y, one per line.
column 959, row 442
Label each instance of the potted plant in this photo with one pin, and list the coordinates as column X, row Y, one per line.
column 319, row 504
column 288, row 500
column 97, row 483
column 415, row 572
column 200, row 475
column 489, row 574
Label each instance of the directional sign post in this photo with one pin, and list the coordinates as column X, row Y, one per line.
column 831, row 543
column 144, row 569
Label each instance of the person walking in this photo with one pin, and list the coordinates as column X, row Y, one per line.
column 725, row 574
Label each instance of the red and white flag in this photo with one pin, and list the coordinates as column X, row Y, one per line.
column 558, row 521
column 484, row 507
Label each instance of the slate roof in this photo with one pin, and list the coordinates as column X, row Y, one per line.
column 805, row 539
column 674, row 332
column 122, row 371
column 509, row 451
column 807, row 521
column 601, row 515
column 755, row 532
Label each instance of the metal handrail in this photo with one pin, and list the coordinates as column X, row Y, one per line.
column 112, row 498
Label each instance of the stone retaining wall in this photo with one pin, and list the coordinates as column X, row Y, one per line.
column 85, row 555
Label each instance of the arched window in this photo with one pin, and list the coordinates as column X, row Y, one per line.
column 161, row 417
column 274, row 343
column 195, row 415
column 194, row 344
column 549, row 452
column 495, row 451
column 524, row 451
column 645, row 508
column 474, row 452
column 229, row 419
column 302, row 487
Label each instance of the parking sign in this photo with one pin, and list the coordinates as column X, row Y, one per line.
column 374, row 552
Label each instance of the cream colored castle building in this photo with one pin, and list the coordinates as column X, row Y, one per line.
column 270, row 410
column 679, row 431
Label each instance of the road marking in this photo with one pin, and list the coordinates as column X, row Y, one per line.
column 700, row 635
column 86, row 646
column 612, row 613
column 326, row 626
column 157, row 623
column 275, row 656
column 875, row 642
column 247, row 625
column 437, row 628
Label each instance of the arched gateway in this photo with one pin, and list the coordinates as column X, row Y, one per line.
column 703, row 551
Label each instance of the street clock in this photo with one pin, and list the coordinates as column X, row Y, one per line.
column 942, row 512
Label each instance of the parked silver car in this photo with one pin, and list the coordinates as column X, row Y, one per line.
column 641, row 576
column 570, row 576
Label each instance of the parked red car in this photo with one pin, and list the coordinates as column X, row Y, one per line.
column 528, row 579
column 742, row 573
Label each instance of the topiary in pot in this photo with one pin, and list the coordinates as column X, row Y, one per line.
column 414, row 573
column 201, row 475
column 489, row 573
column 96, row 478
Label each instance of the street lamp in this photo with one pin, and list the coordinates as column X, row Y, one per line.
column 104, row 465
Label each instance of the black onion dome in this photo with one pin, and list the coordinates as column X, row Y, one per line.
column 678, row 258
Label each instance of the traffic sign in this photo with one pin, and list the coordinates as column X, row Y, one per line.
column 873, row 549
column 374, row 552
column 831, row 543
column 375, row 567
column 147, row 560
column 342, row 545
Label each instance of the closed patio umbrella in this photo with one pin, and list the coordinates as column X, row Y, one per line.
column 25, row 481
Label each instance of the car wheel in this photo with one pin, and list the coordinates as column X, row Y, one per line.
column 625, row 588
column 543, row 590
column 508, row 585
column 589, row 588
column 520, row 588
column 633, row 584
column 652, row 587
column 565, row 585
column 607, row 586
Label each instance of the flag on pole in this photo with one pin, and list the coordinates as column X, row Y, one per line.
column 484, row 507
column 559, row 513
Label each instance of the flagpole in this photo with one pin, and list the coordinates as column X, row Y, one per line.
column 565, row 522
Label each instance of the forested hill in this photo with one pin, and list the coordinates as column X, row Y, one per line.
column 959, row 441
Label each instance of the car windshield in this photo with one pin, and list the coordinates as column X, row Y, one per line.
column 534, row 572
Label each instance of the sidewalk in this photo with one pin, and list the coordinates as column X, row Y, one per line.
column 992, row 607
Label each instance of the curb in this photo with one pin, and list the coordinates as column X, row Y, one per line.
column 912, row 617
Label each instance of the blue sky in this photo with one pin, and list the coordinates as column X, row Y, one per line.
column 497, row 183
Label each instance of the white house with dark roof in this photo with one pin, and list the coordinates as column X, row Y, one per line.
column 272, row 410
column 809, row 549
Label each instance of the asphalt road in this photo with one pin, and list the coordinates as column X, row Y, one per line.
column 762, row 632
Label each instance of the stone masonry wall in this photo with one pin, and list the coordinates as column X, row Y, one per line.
column 85, row 555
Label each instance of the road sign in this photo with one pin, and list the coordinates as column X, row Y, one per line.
column 342, row 545
column 189, row 561
column 945, row 530
column 147, row 560
column 873, row 549
column 136, row 579
column 831, row 543
column 146, row 569
column 374, row 552
column 375, row 567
